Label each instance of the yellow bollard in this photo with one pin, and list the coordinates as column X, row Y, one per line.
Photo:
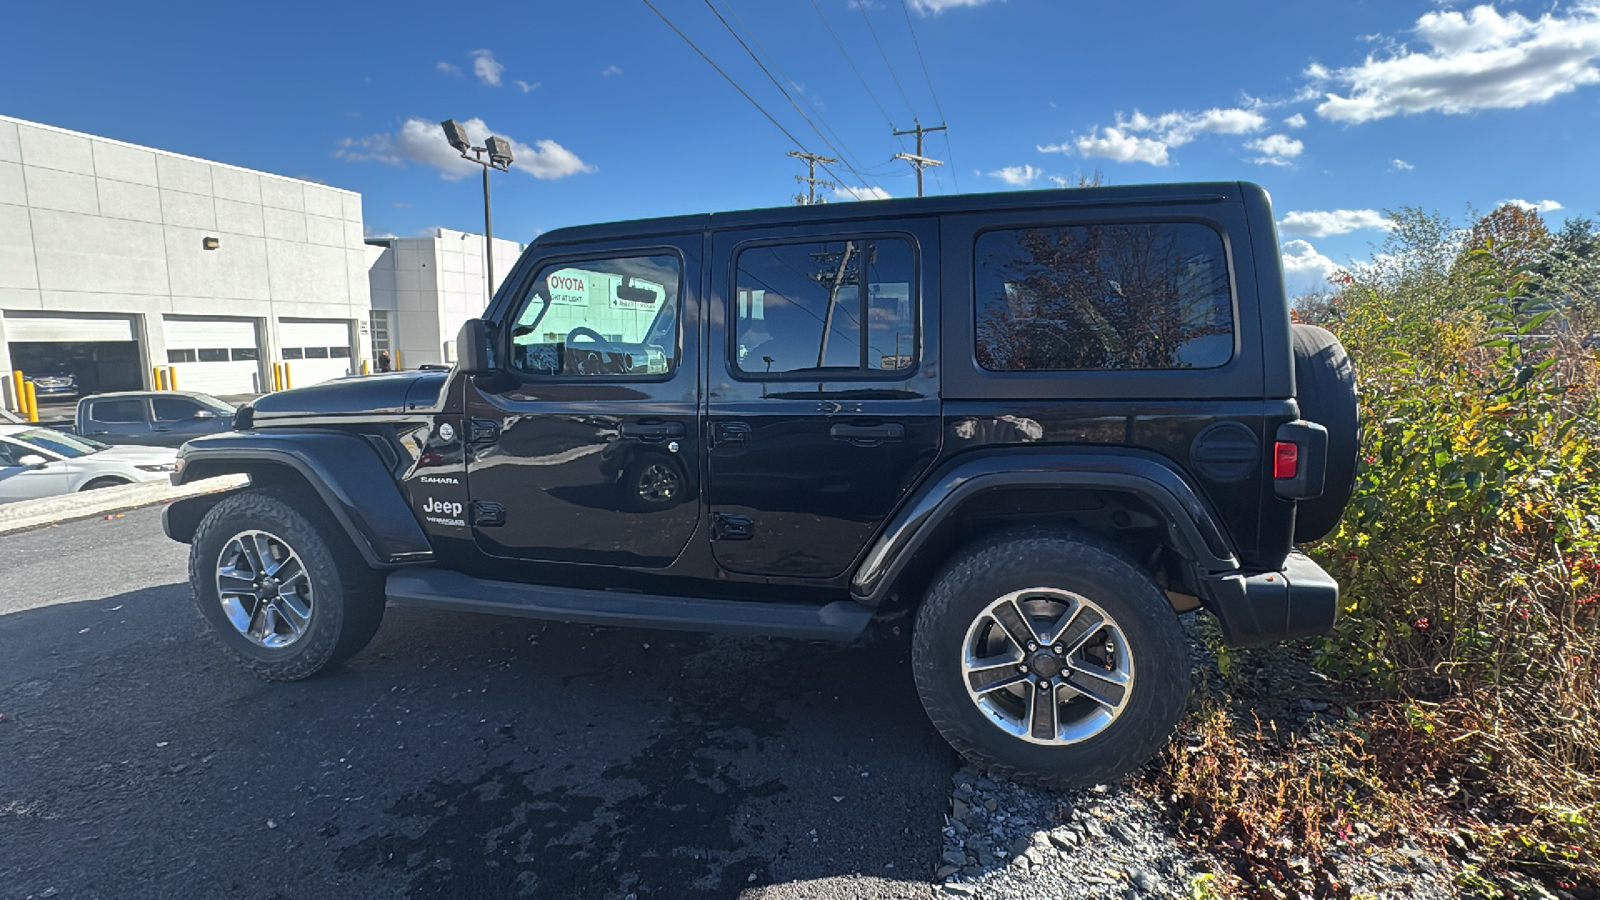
column 365, row 369
column 155, row 378
column 288, row 380
column 18, row 392
column 172, row 378
column 33, row 403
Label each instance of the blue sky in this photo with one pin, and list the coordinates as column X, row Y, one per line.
column 1340, row 108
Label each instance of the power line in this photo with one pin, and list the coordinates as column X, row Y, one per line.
column 870, row 30
column 786, row 95
column 742, row 92
column 852, row 62
column 931, row 92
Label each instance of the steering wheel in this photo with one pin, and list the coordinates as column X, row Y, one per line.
column 614, row 356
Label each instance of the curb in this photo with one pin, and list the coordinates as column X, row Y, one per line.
column 27, row 514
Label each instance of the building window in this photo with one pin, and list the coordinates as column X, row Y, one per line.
column 838, row 309
column 293, row 353
column 316, row 352
column 242, row 354
column 338, row 352
column 380, row 330
column 1098, row 297
column 214, row 354
column 180, row 356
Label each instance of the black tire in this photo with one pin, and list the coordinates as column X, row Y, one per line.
column 1325, row 386
column 1019, row 561
column 347, row 597
column 98, row 483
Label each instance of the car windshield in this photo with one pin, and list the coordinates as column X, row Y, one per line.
column 220, row 407
column 60, row 443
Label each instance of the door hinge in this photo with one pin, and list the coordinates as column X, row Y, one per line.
column 482, row 431
column 732, row 527
column 488, row 515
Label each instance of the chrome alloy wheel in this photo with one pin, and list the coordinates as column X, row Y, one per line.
column 658, row 483
column 264, row 589
column 1047, row 666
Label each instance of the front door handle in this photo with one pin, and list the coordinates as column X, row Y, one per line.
column 651, row 430
column 892, row 431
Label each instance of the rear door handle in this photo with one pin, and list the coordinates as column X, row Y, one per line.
column 892, row 431
column 651, row 430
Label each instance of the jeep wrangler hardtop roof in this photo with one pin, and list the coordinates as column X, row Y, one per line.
column 1119, row 195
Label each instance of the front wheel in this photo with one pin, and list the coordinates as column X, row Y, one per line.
column 285, row 592
column 1051, row 659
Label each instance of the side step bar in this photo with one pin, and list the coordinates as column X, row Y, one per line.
column 842, row 620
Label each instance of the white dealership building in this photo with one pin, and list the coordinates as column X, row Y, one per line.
column 118, row 262
column 423, row 288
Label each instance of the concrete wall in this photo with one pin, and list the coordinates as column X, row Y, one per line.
column 432, row 285
column 94, row 225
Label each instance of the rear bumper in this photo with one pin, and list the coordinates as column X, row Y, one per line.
column 1300, row 600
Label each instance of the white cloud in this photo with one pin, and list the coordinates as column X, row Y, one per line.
column 526, row 87
column 375, row 233
column 1275, row 149
column 610, row 71
column 861, row 193
column 1543, row 206
column 934, row 7
column 1114, row 144
column 1324, row 223
column 1298, row 120
column 1020, row 176
column 446, row 68
column 1400, row 165
column 1479, row 59
column 1302, row 261
column 1126, row 141
column 486, row 67
column 422, row 141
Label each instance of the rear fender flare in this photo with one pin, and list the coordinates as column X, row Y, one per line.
column 1191, row 528
column 345, row 472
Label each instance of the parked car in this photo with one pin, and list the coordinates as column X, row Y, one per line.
column 1035, row 427
column 58, row 383
column 151, row 418
column 40, row 462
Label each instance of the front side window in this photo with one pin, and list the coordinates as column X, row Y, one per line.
column 836, row 308
column 1099, row 297
column 174, row 409
column 614, row 317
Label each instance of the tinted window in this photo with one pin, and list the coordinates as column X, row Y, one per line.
column 117, row 411
column 339, row 352
column 214, row 354
column 603, row 317
column 316, row 353
column 10, row 454
column 245, row 353
column 842, row 305
column 180, row 356
column 1145, row 296
column 60, row 443
column 293, row 353
column 173, row 409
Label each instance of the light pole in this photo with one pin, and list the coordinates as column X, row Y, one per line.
column 499, row 157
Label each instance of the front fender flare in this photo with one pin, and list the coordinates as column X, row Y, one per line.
column 344, row 470
column 1191, row 529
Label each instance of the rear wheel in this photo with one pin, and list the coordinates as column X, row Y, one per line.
column 1051, row 659
column 284, row 591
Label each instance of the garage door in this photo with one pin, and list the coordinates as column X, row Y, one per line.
column 64, row 329
column 316, row 350
column 100, row 352
column 217, row 356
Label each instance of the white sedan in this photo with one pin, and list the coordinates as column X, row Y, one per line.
column 41, row 462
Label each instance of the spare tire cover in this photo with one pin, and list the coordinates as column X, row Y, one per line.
column 1325, row 385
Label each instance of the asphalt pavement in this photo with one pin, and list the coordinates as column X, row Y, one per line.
column 459, row 756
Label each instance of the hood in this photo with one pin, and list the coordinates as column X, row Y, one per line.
column 357, row 395
column 134, row 456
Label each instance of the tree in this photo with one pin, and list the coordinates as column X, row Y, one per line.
column 1512, row 239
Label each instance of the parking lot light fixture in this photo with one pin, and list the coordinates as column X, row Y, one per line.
column 498, row 150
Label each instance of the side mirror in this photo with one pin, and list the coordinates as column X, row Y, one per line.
column 33, row 461
column 204, row 414
column 474, row 356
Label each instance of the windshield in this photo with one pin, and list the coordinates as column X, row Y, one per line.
column 60, row 443
column 220, row 407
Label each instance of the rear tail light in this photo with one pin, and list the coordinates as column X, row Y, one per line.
column 1285, row 459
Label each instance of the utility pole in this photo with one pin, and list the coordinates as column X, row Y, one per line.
column 810, row 179
column 917, row 159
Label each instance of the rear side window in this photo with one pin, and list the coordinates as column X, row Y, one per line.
column 117, row 411
column 832, row 308
column 1099, row 297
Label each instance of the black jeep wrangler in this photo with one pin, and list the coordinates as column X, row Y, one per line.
column 1041, row 425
